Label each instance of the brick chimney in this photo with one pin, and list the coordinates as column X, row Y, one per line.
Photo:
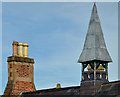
column 20, row 71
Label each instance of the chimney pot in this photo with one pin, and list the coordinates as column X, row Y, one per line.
column 15, row 48
column 20, row 49
column 25, row 49
column 58, row 86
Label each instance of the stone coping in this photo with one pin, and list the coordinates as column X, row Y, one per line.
column 20, row 59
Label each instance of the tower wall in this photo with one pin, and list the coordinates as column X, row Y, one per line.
column 90, row 87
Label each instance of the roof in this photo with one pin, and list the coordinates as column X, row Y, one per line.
column 75, row 90
column 109, row 89
column 94, row 46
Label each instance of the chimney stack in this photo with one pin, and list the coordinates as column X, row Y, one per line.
column 15, row 48
column 20, row 44
column 20, row 71
column 25, row 49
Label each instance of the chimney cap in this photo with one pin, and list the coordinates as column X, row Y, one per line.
column 20, row 43
column 25, row 44
column 15, row 43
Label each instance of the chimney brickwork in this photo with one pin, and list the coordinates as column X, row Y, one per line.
column 20, row 71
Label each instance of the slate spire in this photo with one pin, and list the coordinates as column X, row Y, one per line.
column 94, row 46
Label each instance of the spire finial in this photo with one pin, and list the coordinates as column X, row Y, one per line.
column 94, row 3
column 94, row 9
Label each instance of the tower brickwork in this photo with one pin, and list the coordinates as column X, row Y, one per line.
column 20, row 71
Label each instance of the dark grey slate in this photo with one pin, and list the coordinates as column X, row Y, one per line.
column 110, row 88
column 94, row 46
column 87, row 89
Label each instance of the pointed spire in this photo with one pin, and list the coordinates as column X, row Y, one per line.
column 94, row 46
column 94, row 6
column 94, row 14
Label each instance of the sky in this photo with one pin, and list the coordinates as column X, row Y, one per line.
column 59, row 0
column 56, row 33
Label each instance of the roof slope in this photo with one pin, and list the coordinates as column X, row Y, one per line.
column 110, row 88
column 94, row 46
column 56, row 91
